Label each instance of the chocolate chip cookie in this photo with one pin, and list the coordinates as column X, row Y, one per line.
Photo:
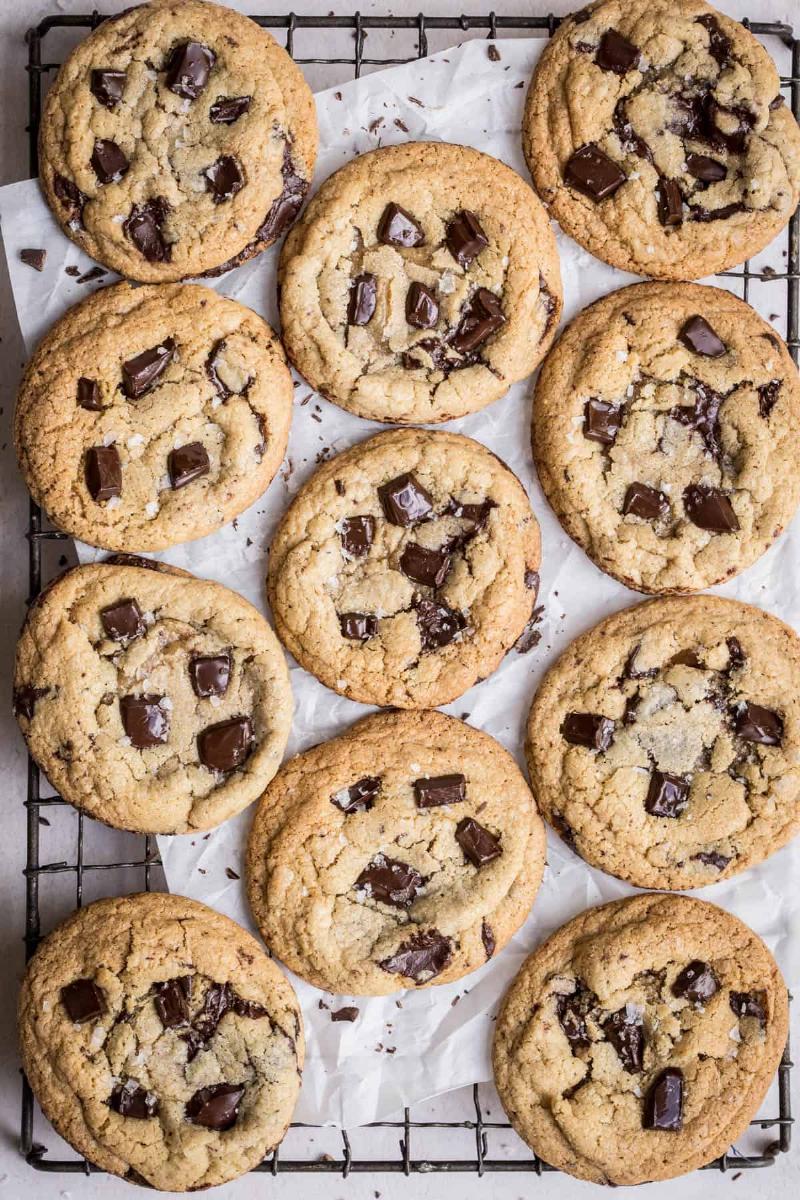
column 639, row 1040
column 152, row 415
column 161, row 1042
column 153, row 701
column 178, row 139
column 404, row 853
column 665, row 430
column 422, row 281
column 657, row 136
column 664, row 744
column 405, row 568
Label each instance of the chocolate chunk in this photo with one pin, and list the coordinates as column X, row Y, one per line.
column 715, row 214
column 143, row 227
column 216, row 1107
column 141, row 373
column 103, row 472
column 422, row 307
column 776, row 102
column 719, row 44
column 360, row 796
column 706, row 169
column 670, row 202
column 83, row 1000
column 122, row 621
column 222, row 389
column 703, row 416
column 436, row 351
column 480, row 846
column 700, row 338
column 187, row 463
column 224, row 178
column 390, row 881
column 645, row 502
column 398, row 228
column 89, row 394
column 436, row 790
column 767, row 396
column 108, row 161
column 761, row 725
column 686, row 658
column 625, row 1031
column 72, row 198
column 532, row 581
column 711, row 858
column 130, row 1099
column 358, row 627
column 629, row 139
column 188, row 69
column 172, row 1001
column 750, row 1004
column 210, row 674
column 438, row 624
column 428, row 567
column 363, row 298
column 285, row 207
column 571, row 1012
column 481, row 317
column 696, row 982
column 667, row 795
column 225, row 746
column 736, row 655
column 709, row 508
column 34, row 258
column 220, row 999
column 421, row 957
column 601, row 421
column 593, row 173
column 344, row 1014
column 24, row 700
column 631, row 671
column 588, row 729
column 663, row 1105
column 227, row 109
column 487, row 937
column 144, row 720
column 465, row 238
column 615, row 53
column 405, row 501
column 357, row 534
column 92, row 274
column 107, row 87
column 478, row 514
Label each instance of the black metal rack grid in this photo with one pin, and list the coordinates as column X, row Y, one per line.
column 38, row 873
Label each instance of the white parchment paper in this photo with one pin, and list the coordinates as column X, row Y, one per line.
column 403, row 1050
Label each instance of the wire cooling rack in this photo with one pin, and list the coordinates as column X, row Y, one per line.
column 143, row 868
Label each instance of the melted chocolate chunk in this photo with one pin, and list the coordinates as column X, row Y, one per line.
column 216, row 1107
column 24, row 700
column 667, row 795
column 130, row 1099
column 478, row 514
column 686, row 658
column 761, row 725
column 398, row 228
column 219, row 1000
column 222, row 390
column 438, row 624
column 141, row 373
column 72, row 198
column 145, row 722
column 631, row 671
column 439, row 789
column 360, row 796
column 715, row 214
column 83, row 1000
column 143, row 228
column 588, row 729
column 187, row 463
column 488, row 939
column 700, row 338
column 593, row 173
column 285, row 207
column 601, row 421
column 750, row 1004
column 428, row 567
column 709, row 508
column 363, row 298
column 107, row 87
column 615, row 53
column 625, row 1031
column 103, row 472
column 172, row 1001
column 210, row 674
column 227, row 109
column 357, row 534
column 669, row 199
column 767, row 396
column 358, row 627
column 719, row 44
column 421, row 957
column 188, row 69
column 711, row 858
column 706, row 169
column 33, row 258
column 696, row 982
column 736, row 655
column 122, row 621
column 422, row 307
column 224, row 179
column 89, row 394
column 571, row 1011
column 663, row 1105
column 629, row 139
column 480, row 846
column 225, row 746
column 465, row 238
column 390, row 881
column 481, row 317
column 108, row 161
column 703, row 416
column 646, row 502
column 437, row 353
column 405, row 501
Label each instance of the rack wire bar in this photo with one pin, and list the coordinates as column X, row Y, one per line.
column 38, row 873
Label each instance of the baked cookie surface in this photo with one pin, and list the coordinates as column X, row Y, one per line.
column 152, row 700
column 178, row 139
column 421, row 283
column 404, row 853
column 152, row 415
column 405, row 568
column 665, row 427
column 161, row 1042
column 664, row 745
column 656, row 136
column 638, row 1041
